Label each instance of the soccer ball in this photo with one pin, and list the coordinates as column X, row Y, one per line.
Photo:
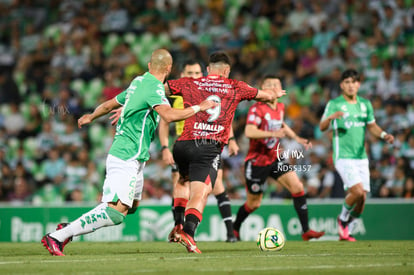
column 270, row 239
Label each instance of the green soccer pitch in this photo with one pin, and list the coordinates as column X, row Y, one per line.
column 297, row 257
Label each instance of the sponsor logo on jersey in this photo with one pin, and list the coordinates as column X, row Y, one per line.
column 274, row 124
column 208, row 127
column 349, row 124
column 213, row 86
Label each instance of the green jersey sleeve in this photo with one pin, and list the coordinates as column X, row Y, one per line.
column 370, row 113
column 330, row 108
column 120, row 98
column 157, row 98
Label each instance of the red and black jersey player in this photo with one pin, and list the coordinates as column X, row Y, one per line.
column 197, row 150
column 264, row 128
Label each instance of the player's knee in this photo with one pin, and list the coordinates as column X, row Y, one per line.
column 254, row 204
column 359, row 193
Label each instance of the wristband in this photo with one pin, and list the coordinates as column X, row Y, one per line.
column 196, row 108
column 163, row 148
column 383, row 134
column 231, row 138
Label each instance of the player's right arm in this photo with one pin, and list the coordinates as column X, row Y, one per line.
column 101, row 110
column 269, row 94
column 329, row 114
column 324, row 124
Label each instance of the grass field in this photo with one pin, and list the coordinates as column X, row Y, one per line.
column 328, row 257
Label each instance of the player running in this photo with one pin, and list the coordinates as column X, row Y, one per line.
column 349, row 116
column 265, row 128
column 144, row 101
column 197, row 150
column 181, row 190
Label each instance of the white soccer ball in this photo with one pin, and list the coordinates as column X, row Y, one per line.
column 270, row 239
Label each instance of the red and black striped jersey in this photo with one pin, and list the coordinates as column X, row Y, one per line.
column 215, row 123
column 264, row 152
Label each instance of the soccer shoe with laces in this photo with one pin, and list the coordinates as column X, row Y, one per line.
column 188, row 242
column 174, row 235
column 342, row 230
column 60, row 226
column 310, row 234
column 52, row 245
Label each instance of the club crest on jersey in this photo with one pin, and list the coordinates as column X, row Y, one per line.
column 344, row 108
column 255, row 187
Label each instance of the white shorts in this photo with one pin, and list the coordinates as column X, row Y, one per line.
column 354, row 171
column 124, row 180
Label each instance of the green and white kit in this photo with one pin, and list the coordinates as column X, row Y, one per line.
column 138, row 121
column 134, row 133
column 348, row 139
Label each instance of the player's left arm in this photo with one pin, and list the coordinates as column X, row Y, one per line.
column 232, row 144
column 375, row 130
column 163, row 133
column 101, row 110
column 373, row 127
column 291, row 134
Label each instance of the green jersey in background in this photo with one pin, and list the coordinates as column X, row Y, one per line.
column 348, row 137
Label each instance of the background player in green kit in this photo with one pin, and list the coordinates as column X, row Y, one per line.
column 349, row 116
column 143, row 103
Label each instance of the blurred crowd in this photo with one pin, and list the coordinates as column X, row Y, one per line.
column 61, row 58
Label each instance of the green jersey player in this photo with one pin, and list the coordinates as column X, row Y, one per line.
column 143, row 102
column 349, row 117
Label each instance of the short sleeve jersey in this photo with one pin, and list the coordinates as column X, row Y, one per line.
column 138, row 120
column 215, row 123
column 263, row 152
column 348, row 138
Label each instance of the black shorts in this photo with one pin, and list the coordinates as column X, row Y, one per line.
column 257, row 175
column 196, row 161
